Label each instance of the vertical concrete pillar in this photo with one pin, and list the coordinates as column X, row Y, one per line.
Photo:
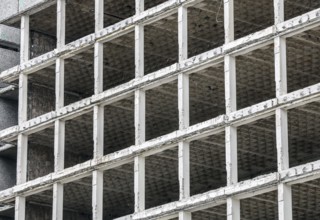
column 140, row 114
column 22, row 146
column 59, row 126
column 233, row 204
column 284, row 190
column 98, row 117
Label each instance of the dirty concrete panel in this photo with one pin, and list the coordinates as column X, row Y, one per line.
column 8, row 8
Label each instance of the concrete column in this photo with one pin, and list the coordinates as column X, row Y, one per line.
column 140, row 108
column 184, row 115
column 59, row 126
column 22, row 145
column 98, row 117
column 284, row 190
column 233, row 204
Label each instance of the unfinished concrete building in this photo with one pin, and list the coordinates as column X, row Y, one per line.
column 159, row 109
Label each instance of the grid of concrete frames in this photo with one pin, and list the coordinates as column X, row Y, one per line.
column 178, row 109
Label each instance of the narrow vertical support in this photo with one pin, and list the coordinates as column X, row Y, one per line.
column 233, row 209
column 233, row 204
column 139, row 6
column 278, row 11
column 140, row 114
column 139, row 50
column 185, row 215
column 285, row 201
column 59, row 83
column 284, row 190
column 98, row 131
column 183, row 100
column 20, row 208
column 23, row 99
column 229, row 20
column 59, row 145
column 184, row 117
column 23, row 79
column 99, row 15
column 98, row 111
column 98, row 68
column 24, row 38
column 98, row 117
column 230, row 83
column 183, row 33
column 22, row 159
column 61, row 23
column 280, row 56
column 231, row 155
column 139, row 161
column 57, row 206
column 139, row 183
column 97, row 195
column 97, row 175
column 184, row 169
column 231, row 131
column 183, row 79
column 22, row 145
column 59, row 126
column 282, row 139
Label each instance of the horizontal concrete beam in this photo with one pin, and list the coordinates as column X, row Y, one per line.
column 243, row 45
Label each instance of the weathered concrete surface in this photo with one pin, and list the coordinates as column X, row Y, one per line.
column 8, row 8
column 9, row 58
column 8, row 113
column 27, row 4
column 9, row 45
column 7, row 173
column 11, row 8
column 9, row 36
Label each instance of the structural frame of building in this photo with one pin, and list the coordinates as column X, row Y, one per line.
column 282, row 180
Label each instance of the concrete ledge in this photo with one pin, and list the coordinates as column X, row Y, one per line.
column 11, row 9
column 9, row 36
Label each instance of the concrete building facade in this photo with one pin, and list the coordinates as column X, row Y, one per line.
column 159, row 109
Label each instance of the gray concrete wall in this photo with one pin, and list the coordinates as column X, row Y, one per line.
column 9, row 44
column 8, row 113
column 8, row 59
column 8, row 8
column 12, row 8
column 7, row 173
column 9, row 35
